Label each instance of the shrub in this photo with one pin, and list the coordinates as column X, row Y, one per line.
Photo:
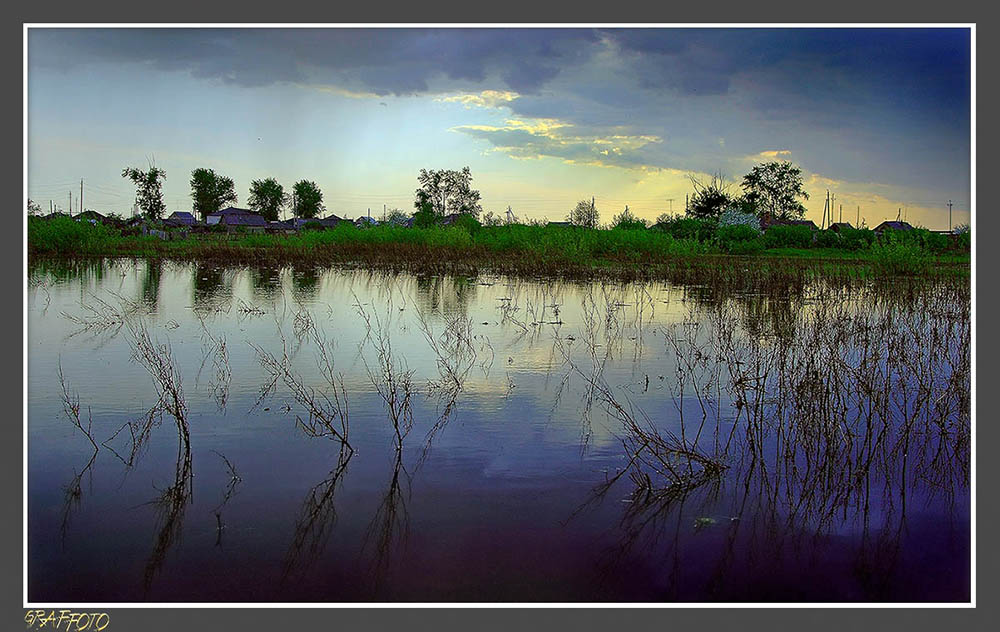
column 828, row 239
column 856, row 238
column 690, row 228
column 788, row 237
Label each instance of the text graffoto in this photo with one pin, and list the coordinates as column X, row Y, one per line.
column 73, row 621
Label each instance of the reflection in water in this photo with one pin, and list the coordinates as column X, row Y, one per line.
column 316, row 519
column 305, row 283
column 390, row 526
column 151, row 275
column 836, row 423
column 445, row 294
column 230, row 491
column 760, row 434
column 208, row 286
column 265, row 282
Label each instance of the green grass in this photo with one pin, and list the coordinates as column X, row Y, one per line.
column 511, row 249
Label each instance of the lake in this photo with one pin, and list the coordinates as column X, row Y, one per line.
column 199, row 433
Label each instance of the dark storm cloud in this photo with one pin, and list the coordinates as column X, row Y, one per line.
column 385, row 61
column 888, row 105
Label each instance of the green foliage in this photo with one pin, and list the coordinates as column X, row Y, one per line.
column 425, row 217
column 467, row 223
column 827, row 239
column 690, row 228
column 775, row 188
column 307, row 200
column 584, row 214
column 268, row 198
column 396, row 217
column 149, row 190
column 209, row 191
column 855, row 239
column 788, row 237
column 447, row 192
column 900, row 257
column 709, row 199
column 66, row 236
column 627, row 221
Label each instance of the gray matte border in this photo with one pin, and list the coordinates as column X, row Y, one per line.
column 814, row 620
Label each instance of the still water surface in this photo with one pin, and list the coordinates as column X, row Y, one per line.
column 504, row 490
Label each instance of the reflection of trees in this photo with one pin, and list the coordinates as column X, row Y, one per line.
column 151, row 275
column 208, row 281
column 305, row 283
column 265, row 282
column 445, row 294
column 864, row 408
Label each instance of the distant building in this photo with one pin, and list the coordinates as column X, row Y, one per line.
column 233, row 218
column 840, row 226
column 892, row 225
column 364, row 220
column 767, row 221
column 563, row 224
column 180, row 218
column 90, row 216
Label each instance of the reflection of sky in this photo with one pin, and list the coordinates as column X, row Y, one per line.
column 510, row 463
column 881, row 117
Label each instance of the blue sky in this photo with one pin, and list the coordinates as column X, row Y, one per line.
column 544, row 117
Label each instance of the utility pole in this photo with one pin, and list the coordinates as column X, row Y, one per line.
column 841, row 220
column 670, row 201
column 685, row 203
column 857, row 219
column 949, row 216
column 826, row 206
column 71, row 203
column 81, row 195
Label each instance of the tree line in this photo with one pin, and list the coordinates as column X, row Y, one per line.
column 211, row 191
column 774, row 189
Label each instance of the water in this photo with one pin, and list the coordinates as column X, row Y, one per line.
column 521, row 395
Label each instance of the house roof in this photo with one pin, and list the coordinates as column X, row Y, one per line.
column 893, row 225
column 243, row 219
column 232, row 210
column 840, row 225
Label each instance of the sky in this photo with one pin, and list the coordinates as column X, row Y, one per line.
column 544, row 117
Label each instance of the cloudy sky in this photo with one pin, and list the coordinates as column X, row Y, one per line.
column 544, row 117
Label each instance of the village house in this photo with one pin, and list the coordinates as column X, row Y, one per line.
column 892, row 225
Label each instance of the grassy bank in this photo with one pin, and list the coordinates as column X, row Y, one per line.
column 516, row 249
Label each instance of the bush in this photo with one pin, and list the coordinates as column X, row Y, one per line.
column 468, row 223
column 690, row 228
column 855, row 239
column 788, row 237
column 746, row 247
column 828, row 239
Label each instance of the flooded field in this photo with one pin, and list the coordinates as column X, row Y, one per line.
column 208, row 434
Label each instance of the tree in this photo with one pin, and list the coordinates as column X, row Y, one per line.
column 396, row 217
column 268, row 198
column 709, row 199
column 210, row 191
column 775, row 188
column 627, row 220
column 33, row 207
column 149, row 190
column 447, row 192
column 307, row 200
column 585, row 214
